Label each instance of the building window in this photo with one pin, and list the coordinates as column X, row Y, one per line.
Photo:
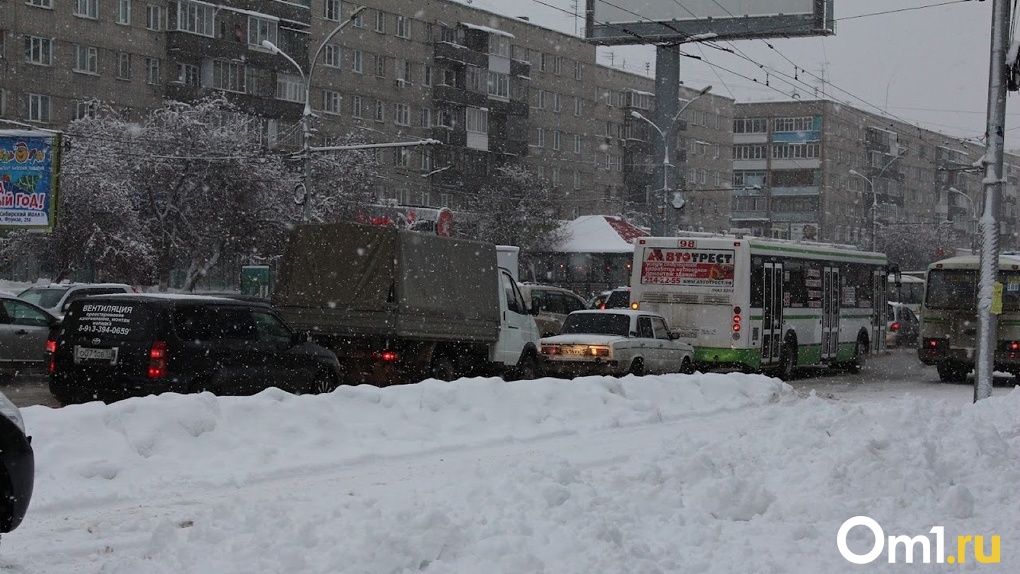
column 401, row 157
column 555, row 177
column 750, row 151
column 578, row 106
column 577, row 143
column 786, row 125
column 558, row 63
column 87, row 109
column 403, row 70
column 577, row 179
column 577, row 70
column 123, row 66
column 499, row 85
column 499, row 45
column 477, row 120
column 124, row 12
column 426, row 75
column 380, row 22
column 541, row 99
column 38, row 108
column 39, row 50
column 152, row 72
column 543, row 62
column 426, row 117
column 196, row 18
column 359, row 20
column 795, row 151
column 86, row 59
column 402, row 114
column 41, row 3
column 750, row 126
column 449, row 77
column 261, row 29
column 331, row 102
column 380, row 66
column 331, row 10
column 154, row 18
column 228, row 76
column 426, row 160
column 557, row 140
column 557, row 103
column 188, row 74
column 379, row 114
column 541, row 138
column 331, row 55
column 357, row 61
column 403, row 27
column 87, row 8
column 356, row 110
column 290, row 88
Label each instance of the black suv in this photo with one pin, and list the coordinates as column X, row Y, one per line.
column 114, row 346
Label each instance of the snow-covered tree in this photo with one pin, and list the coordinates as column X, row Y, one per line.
column 342, row 182
column 516, row 208
column 915, row 245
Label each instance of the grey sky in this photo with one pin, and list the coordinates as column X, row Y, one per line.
column 927, row 66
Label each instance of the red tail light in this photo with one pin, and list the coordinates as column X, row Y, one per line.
column 895, row 326
column 157, row 360
column 1013, row 346
column 389, row 356
column 51, row 349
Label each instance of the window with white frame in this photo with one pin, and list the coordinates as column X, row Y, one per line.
column 380, row 21
column 403, row 70
column 196, row 18
column 426, row 117
column 555, row 177
column 153, row 74
column 402, row 114
column 86, row 8
column 290, row 88
column 499, row 45
column 499, row 85
column 426, row 159
column 39, row 50
column 557, row 102
column 124, row 11
column 802, row 124
column 543, row 62
column 477, row 120
column 155, row 19
column 540, row 141
column 86, row 109
column 38, row 108
column 380, row 66
column 578, row 106
column 426, row 75
column 188, row 74
column 557, row 140
column 577, row 179
column 123, row 66
column 403, row 27
column 331, row 102
column 795, row 151
column 331, row 55
column 379, row 114
column 577, row 70
column 750, row 125
column 356, row 106
column 331, row 10
column 558, row 63
column 750, row 151
column 260, row 29
column 402, row 157
column 541, row 99
column 577, row 143
column 86, row 59
column 357, row 61
column 359, row 20
column 41, row 3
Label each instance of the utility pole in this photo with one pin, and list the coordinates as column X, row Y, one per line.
column 989, row 226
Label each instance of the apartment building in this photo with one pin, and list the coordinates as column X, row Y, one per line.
column 823, row 170
column 493, row 90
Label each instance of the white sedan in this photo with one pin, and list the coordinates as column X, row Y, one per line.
column 615, row 342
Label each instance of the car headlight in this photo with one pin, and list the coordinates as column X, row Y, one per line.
column 10, row 410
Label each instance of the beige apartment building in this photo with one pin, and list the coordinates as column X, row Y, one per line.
column 493, row 90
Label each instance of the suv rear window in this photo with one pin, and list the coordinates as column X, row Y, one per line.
column 45, row 297
column 208, row 323
column 129, row 320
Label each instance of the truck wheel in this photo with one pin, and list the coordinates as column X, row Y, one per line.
column 950, row 372
column 324, row 382
column 443, row 369
column 637, row 367
column 528, row 369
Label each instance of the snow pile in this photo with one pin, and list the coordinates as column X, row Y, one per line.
column 704, row 473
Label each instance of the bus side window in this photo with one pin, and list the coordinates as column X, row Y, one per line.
column 796, row 283
column 757, row 282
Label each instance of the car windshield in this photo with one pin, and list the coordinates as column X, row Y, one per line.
column 597, row 324
column 46, row 297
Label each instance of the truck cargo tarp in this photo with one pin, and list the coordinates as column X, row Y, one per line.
column 365, row 268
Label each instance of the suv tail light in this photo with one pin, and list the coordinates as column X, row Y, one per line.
column 895, row 326
column 51, row 352
column 157, row 360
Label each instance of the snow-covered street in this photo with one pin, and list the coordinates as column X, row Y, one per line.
column 702, row 473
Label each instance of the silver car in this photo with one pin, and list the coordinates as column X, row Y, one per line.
column 615, row 342
column 56, row 297
column 24, row 330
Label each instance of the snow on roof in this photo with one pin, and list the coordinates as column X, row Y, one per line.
column 599, row 234
column 486, row 29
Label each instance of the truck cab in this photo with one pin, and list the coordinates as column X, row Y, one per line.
column 518, row 334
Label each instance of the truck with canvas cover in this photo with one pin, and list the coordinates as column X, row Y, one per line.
column 400, row 306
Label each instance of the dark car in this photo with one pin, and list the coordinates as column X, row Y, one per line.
column 17, row 466
column 114, row 346
column 618, row 298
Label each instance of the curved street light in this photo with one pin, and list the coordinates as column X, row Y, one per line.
column 664, row 134
column 306, row 114
column 874, row 197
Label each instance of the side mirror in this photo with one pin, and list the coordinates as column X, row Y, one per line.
column 535, row 309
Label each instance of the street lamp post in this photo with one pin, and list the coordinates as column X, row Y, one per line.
column 665, row 152
column 306, row 114
column 973, row 214
column 874, row 197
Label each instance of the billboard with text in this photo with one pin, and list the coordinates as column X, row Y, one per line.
column 29, row 181
column 612, row 22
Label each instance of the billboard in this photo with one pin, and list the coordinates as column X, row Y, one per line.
column 687, row 267
column 29, row 179
column 611, row 22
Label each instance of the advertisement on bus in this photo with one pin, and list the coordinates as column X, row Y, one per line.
column 687, row 267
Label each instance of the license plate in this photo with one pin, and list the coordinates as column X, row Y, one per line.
column 575, row 351
column 93, row 354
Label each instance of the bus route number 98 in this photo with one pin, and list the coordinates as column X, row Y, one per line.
column 687, row 243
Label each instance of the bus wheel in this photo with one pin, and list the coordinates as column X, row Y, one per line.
column 950, row 372
column 787, row 361
column 860, row 355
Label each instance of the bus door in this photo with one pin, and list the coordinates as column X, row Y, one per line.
column 772, row 314
column 830, row 312
column 880, row 311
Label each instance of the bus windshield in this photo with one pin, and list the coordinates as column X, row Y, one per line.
column 957, row 289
